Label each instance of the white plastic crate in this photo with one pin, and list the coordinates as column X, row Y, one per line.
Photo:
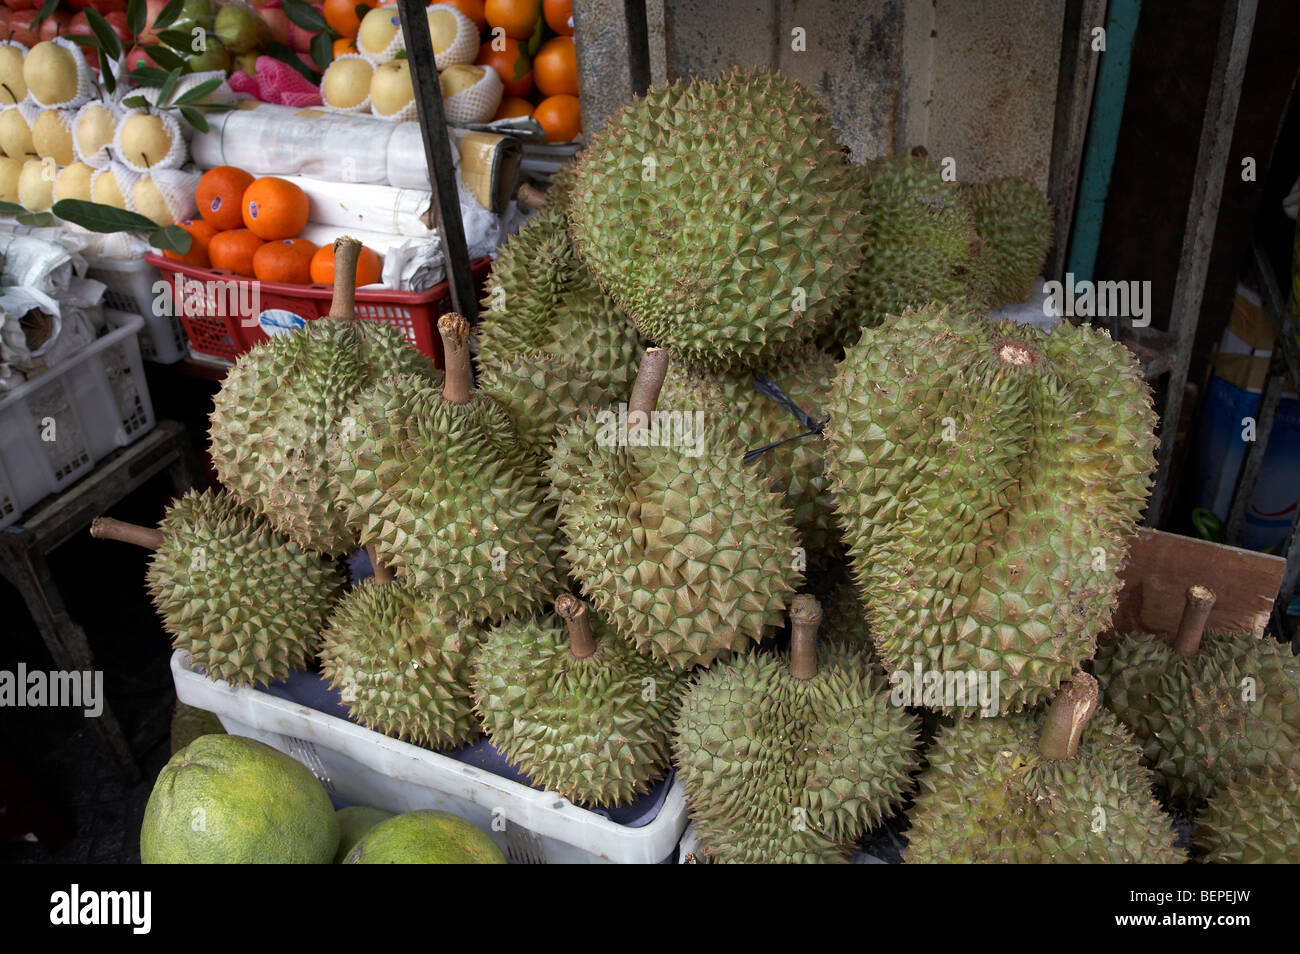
column 55, row 427
column 366, row 768
column 130, row 287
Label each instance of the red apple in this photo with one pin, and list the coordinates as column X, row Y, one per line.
column 23, row 4
column 136, row 58
column 20, row 25
column 56, row 24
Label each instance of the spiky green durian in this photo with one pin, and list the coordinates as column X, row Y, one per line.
column 1014, row 219
column 920, row 245
column 578, row 708
column 688, row 553
column 243, row 600
column 791, row 758
column 846, row 622
column 400, row 667
column 541, row 298
column 1228, row 708
column 796, row 468
column 1062, row 785
column 1254, row 819
column 542, row 394
column 280, row 405
column 721, row 215
column 440, row 484
column 988, row 478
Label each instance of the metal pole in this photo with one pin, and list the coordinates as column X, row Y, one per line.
column 437, row 152
column 1235, row 31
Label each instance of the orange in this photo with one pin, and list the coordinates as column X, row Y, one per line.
column 517, row 17
column 559, row 16
column 560, row 117
column 201, row 234
column 344, row 44
column 341, row 15
column 509, row 63
column 274, row 208
column 555, row 68
column 234, row 250
column 285, row 260
column 512, row 106
column 220, row 195
column 471, row 8
column 369, row 267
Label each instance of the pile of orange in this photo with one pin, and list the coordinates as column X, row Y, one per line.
column 535, row 59
column 250, row 226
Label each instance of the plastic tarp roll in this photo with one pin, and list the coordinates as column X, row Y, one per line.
column 270, row 140
column 379, row 242
column 374, row 208
column 406, row 166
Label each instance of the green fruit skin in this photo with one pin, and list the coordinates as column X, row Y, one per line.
column 425, row 837
column 354, row 822
column 225, row 799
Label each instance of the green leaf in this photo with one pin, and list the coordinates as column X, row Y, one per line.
column 168, row 89
column 182, row 41
column 147, row 76
column 322, row 49
column 36, row 219
column 535, row 41
column 137, row 102
column 45, row 12
column 195, row 118
column 290, row 58
column 108, row 42
column 137, row 17
column 11, row 208
column 102, row 218
column 196, row 93
column 82, row 39
column 522, row 65
column 303, row 15
column 165, row 58
column 171, row 238
column 167, row 15
column 106, row 75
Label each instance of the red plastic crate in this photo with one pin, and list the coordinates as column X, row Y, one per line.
column 213, row 305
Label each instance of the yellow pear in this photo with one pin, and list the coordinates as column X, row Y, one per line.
column 145, row 140
column 73, row 182
column 346, row 83
column 13, row 88
column 453, row 35
column 104, row 190
column 95, row 128
column 457, row 79
column 52, row 137
column 36, row 185
column 150, row 203
column 390, row 88
column 50, row 73
column 378, row 28
column 10, row 170
column 16, row 135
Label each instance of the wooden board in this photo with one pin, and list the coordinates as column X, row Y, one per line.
column 1162, row 566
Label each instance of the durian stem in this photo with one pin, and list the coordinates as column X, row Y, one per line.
column 383, row 574
column 1067, row 718
column 106, row 528
column 582, row 641
column 344, row 303
column 458, row 380
column 1191, row 627
column 805, row 617
column 645, row 389
column 532, row 197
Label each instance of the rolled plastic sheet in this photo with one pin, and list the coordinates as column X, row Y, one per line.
column 373, row 208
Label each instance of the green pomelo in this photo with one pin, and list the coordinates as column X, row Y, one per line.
column 354, row 822
column 425, row 837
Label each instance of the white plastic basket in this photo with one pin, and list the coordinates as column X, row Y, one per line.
column 130, row 287
column 366, row 768
column 55, row 427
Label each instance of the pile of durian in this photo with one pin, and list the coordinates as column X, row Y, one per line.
column 722, row 365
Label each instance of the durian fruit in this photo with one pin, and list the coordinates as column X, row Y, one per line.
column 797, row 467
column 919, row 245
column 241, row 598
column 286, row 398
column 1065, row 784
column 846, row 621
column 791, row 758
column 988, row 478
column 721, row 215
column 542, row 394
column 1014, row 220
column 689, row 553
column 578, row 708
column 1254, row 819
column 1207, row 708
column 401, row 668
column 541, row 298
column 440, row 485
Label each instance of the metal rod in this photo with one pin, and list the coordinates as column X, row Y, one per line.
column 1235, row 31
column 437, row 153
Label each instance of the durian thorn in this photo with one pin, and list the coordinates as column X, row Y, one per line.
column 458, row 380
column 106, row 528
column 532, row 197
column 645, row 389
column 1191, row 627
column 344, row 303
column 805, row 617
column 383, row 573
column 574, row 612
column 1067, row 718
